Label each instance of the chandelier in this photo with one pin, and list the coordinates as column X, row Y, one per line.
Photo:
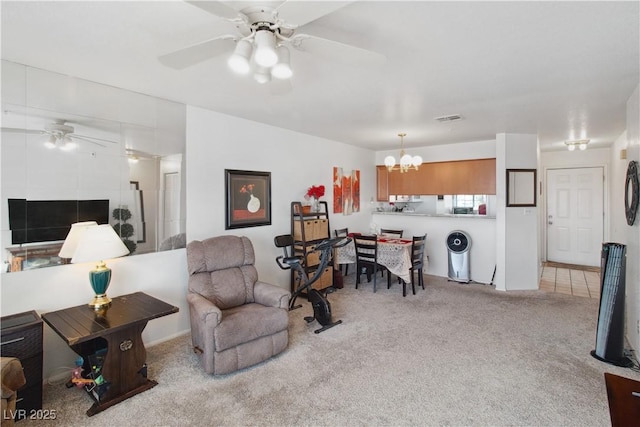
column 260, row 51
column 580, row 143
column 406, row 161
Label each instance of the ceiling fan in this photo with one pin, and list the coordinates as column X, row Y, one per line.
column 261, row 45
column 61, row 135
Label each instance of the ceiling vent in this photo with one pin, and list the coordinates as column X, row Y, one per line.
column 449, row 118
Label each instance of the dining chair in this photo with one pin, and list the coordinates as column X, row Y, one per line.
column 342, row 232
column 367, row 258
column 417, row 259
column 417, row 264
column 389, row 232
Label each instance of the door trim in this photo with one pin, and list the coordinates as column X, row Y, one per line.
column 545, row 192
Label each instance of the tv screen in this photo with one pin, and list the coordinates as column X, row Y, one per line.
column 32, row 221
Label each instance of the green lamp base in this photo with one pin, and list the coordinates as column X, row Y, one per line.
column 100, row 278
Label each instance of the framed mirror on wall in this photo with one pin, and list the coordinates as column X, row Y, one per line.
column 521, row 187
column 124, row 144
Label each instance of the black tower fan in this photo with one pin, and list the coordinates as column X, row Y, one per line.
column 610, row 329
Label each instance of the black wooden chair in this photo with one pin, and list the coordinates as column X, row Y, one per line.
column 367, row 258
column 417, row 264
column 417, row 260
column 389, row 232
column 342, row 232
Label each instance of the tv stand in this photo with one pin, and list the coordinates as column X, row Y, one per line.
column 21, row 255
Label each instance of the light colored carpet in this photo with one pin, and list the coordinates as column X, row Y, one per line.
column 451, row 355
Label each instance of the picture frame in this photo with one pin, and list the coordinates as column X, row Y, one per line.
column 521, row 187
column 247, row 198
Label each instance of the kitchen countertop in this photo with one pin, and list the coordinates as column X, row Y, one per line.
column 436, row 215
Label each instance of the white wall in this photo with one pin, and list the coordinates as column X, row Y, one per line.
column 623, row 233
column 296, row 161
column 443, row 153
column 518, row 266
column 482, row 231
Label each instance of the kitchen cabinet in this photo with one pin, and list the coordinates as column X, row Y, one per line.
column 382, row 184
column 476, row 176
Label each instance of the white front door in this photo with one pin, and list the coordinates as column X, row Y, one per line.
column 575, row 215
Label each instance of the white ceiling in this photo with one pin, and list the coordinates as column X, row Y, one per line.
column 563, row 70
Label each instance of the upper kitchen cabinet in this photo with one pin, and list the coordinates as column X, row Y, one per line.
column 476, row 176
column 382, row 183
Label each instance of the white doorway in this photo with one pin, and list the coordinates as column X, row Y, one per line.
column 171, row 205
column 575, row 215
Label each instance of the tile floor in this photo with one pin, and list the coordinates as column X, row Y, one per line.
column 571, row 280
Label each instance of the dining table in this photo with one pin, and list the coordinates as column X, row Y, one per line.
column 393, row 253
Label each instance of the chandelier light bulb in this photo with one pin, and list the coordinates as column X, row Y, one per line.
column 239, row 60
column 405, row 161
column 416, row 161
column 390, row 162
column 265, row 54
column 571, row 147
column 583, row 146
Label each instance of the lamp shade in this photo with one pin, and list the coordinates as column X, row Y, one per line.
column 71, row 241
column 239, row 61
column 282, row 70
column 99, row 243
column 265, row 54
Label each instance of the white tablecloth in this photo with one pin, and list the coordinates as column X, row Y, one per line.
column 395, row 254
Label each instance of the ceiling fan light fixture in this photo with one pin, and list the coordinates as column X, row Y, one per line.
column 239, row 60
column 262, row 75
column 265, row 54
column 282, row 69
column 50, row 143
column 68, row 144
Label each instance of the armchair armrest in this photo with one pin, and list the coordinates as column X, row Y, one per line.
column 203, row 309
column 271, row 295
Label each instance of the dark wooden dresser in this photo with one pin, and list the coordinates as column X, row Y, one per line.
column 22, row 338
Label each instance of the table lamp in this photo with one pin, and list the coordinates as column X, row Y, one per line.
column 98, row 243
column 71, row 241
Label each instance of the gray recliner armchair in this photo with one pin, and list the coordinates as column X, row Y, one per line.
column 236, row 320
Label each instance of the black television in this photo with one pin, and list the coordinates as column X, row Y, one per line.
column 33, row 221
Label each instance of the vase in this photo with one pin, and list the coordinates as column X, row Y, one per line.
column 254, row 204
column 315, row 205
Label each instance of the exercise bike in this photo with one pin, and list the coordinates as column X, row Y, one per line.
column 318, row 299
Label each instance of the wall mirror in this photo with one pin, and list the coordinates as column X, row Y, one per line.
column 79, row 150
column 521, row 187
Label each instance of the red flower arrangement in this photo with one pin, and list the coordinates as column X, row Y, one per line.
column 247, row 188
column 315, row 192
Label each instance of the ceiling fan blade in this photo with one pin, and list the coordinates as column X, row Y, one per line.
column 216, row 8
column 18, row 130
column 81, row 138
column 330, row 48
column 302, row 12
column 198, row 52
column 75, row 135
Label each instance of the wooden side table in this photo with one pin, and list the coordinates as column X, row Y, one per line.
column 110, row 342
